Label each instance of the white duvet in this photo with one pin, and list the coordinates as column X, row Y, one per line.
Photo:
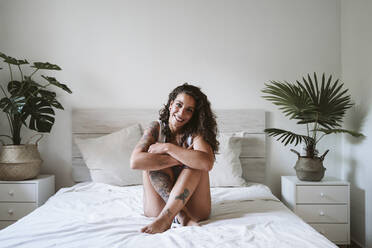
column 100, row 215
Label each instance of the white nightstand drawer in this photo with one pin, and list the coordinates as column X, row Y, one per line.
column 5, row 223
column 15, row 211
column 17, row 192
column 322, row 194
column 334, row 232
column 323, row 213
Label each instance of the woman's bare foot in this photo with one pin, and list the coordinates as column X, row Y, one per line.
column 162, row 223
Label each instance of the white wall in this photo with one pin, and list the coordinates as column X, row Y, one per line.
column 356, row 20
column 130, row 54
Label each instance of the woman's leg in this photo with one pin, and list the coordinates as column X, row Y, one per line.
column 181, row 192
column 199, row 204
column 157, row 188
column 153, row 201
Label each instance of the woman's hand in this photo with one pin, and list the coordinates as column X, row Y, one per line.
column 159, row 148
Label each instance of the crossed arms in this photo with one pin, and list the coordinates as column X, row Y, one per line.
column 149, row 155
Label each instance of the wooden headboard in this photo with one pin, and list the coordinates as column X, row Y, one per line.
column 90, row 123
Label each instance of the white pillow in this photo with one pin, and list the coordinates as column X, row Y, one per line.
column 227, row 169
column 108, row 157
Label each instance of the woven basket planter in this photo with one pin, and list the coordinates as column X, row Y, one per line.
column 19, row 162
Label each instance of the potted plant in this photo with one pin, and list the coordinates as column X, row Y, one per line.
column 30, row 103
column 321, row 107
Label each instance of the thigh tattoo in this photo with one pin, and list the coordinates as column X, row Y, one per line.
column 162, row 183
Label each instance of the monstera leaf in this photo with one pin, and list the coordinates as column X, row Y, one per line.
column 28, row 102
column 12, row 61
column 46, row 66
column 12, row 105
column 54, row 82
column 41, row 115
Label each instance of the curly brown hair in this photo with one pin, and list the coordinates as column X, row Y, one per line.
column 203, row 121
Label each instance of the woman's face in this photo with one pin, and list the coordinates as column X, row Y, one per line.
column 181, row 111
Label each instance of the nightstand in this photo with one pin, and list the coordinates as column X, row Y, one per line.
column 325, row 205
column 19, row 198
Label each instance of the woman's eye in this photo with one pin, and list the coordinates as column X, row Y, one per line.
column 190, row 110
column 178, row 105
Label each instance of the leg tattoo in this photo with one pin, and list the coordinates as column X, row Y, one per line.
column 162, row 183
column 169, row 213
column 183, row 195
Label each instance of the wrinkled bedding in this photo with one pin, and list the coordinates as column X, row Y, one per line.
column 100, row 215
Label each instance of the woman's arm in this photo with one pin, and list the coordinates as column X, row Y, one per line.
column 143, row 160
column 201, row 157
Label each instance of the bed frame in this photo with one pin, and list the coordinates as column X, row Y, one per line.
column 91, row 123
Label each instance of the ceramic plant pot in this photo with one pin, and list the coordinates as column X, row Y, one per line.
column 310, row 168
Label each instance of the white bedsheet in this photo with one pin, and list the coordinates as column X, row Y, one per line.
column 100, row 215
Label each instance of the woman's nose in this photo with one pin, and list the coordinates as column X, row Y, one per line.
column 182, row 111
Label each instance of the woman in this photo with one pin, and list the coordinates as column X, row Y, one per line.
column 175, row 154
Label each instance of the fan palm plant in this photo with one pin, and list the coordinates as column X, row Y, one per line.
column 29, row 103
column 319, row 106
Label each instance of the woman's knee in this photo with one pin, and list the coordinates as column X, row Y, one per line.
column 192, row 173
column 201, row 214
column 165, row 173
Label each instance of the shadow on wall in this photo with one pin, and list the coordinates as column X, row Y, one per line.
column 357, row 120
column 357, row 205
column 358, row 116
column 359, row 112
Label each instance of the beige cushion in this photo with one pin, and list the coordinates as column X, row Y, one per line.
column 227, row 169
column 108, row 157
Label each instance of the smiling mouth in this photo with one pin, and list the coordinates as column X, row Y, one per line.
column 178, row 119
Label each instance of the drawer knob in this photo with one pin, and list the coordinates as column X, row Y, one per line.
column 11, row 193
column 322, row 194
column 321, row 213
column 10, row 212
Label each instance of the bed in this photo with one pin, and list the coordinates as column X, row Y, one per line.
column 98, row 214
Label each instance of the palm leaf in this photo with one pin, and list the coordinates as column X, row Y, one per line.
column 330, row 101
column 292, row 100
column 330, row 131
column 288, row 137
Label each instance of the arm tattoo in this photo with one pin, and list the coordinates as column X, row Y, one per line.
column 183, row 195
column 145, row 142
column 154, row 129
column 162, row 183
column 150, row 136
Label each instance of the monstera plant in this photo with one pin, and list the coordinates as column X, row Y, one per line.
column 320, row 106
column 27, row 101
